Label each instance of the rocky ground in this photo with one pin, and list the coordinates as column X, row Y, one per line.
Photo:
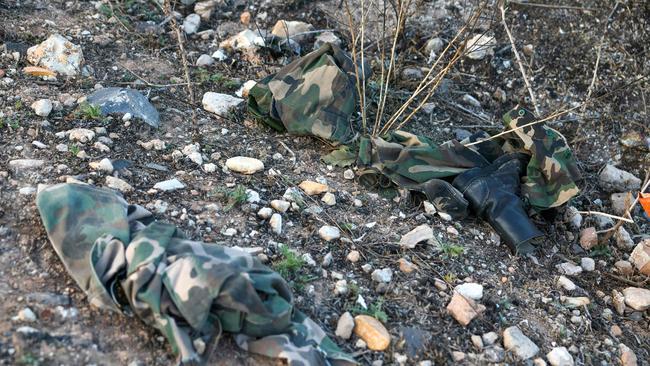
column 447, row 292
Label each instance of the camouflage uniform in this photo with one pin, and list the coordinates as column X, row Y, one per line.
column 188, row 290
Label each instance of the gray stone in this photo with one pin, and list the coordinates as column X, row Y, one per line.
column 57, row 54
column 345, row 326
column 326, row 37
column 516, row 342
column 169, row 185
column 42, row 107
column 384, row 275
column 569, row 269
column 559, row 356
column 219, row 103
column 329, row 233
column 276, row 223
column 191, row 23
column 637, row 298
column 119, row 184
column 616, row 180
column 588, row 264
column 122, row 101
column 19, row 165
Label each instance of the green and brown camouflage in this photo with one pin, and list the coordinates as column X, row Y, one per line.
column 186, row 289
column 314, row 95
column 552, row 171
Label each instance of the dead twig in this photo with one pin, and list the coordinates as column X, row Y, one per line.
column 606, row 215
column 533, row 100
column 551, row 6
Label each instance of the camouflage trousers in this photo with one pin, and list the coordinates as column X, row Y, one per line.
column 190, row 291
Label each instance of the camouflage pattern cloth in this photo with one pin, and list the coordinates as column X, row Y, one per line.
column 188, row 290
column 552, row 171
column 314, row 95
column 414, row 162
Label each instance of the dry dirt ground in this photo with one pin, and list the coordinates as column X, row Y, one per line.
column 517, row 291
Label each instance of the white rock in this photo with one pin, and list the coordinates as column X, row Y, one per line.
column 348, row 174
column 26, row 315
column 243, row 91
column 230, row 232
column 616, row 180
column 473, row 291
column 276, row 223
column 569, row 269
column 327, row 260
column 155, row 144
column 384, row 275
column 516, row 342
column 623, row 239
column 329, row 233
column 27, row 191
column 219, row 55
column 193, row 152
column 209, row 168
column 117, row 183
column 42, row 107
column 341, row 287
column 566, row 283
column 280, row 205
column 326, row 37
column 218, row 103
column 104, row 165
column 559, row 356
column 345, row 326
column 637, row 298
column 39, row 145
column 244, row 165
column 641, row 257
column 19, row 165
column 191, row 23
column 169, row 185
column 265, row 213
column 489, row 338
column 57, row 54
column 205, row 8
column 252, row 196
column 480, row 46
column 415, row 236
column 329, row 199
column 434, row 45
column 284, row 29
column 308, row 259
column 82, row 135
column 588, row 264
column 429, row 208
column 246, row 39
column 204, row 60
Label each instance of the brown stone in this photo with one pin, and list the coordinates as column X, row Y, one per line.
column 313, row 188
column 628, row 358
column 406, row 266
column 371, row 331
column 616, row 331
column 637, row 298
column 588, row 238
column 464, row 309
column 624, row 267
column 641, row 257
column 245, row 18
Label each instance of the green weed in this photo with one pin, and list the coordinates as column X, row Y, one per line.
column 289, row 264
column 74, row 149
column 88, row 111
column 375, row 310
column 451, row 250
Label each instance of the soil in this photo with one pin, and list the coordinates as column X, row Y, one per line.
column 518, row 291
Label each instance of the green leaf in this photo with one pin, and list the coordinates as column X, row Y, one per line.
column 342, row 157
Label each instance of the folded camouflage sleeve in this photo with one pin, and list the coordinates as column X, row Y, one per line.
column 190, row 291
column 414, row 162
column 552, row 172
column 314, row 95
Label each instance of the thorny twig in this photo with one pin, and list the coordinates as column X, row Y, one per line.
column 533, row 100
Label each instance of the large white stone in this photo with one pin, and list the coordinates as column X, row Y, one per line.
column 345, row 326
column 42, row 107
column 244, row 165
column 219, row 103
column 57, row 54
column 329, row 233
column 617, row 180
column 191, row 23
column 117, row 183
column 480, row 46
column 169, row 185
column 472, row 290
column 415, row 236
column 637, row 298
column 559, row 356
column 515, row 341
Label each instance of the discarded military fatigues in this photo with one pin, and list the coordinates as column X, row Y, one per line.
column 299, row 100
column 188, row 290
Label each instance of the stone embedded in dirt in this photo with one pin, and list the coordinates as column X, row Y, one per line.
column 458, row 356
column 329, row 199
column 348, row 174
column 433, row 45
column 155, row 144
column 480, row 46
column 477, row 341
column 628, row 358
column 193, row 152
column 205, row 8
column 637, row 298
column 587, row 264
column 280, row 205
column 588, row 238
column 329, row 233
column 246, row 39
column 57, row 54
column 327, row 260
column 616, row 331
column 123, row 100
column 19, row 165
column 415, row 236
column 573, row 216
column 218, row 103
column 42, row 107
column 429, row 208
column 326, row 37
column 244, row 165
column 191, row 23
column 82, row 135
column 566, row 283
column 353, row 256
column 313, row 188
column 641, row 257
column 384, row 275
column 470, row 290
column 569, row 269
column 624, row 267
column 209, row 168
column 345, row 326
column 169, row 185
column 471, row 101
column 574, row 302
column 624, row 240
column 204, row 60
column 613, row 179
column 292, row 29
column 516, row 342
column 440, row 284
column 406, row 266
column 372, row 332
column 464, row 309
column 559, row 356
column 620, row 202
column 307, row 258
column 494, row 354
column 618, row 300
column 264, row 213
column 489, row 338
column 119, row 184
column 341, row 287
column 25, row 315
column 412, row 73
column 103, row 165
column 276, row 223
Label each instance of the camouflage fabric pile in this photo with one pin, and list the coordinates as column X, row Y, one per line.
column 190, row 291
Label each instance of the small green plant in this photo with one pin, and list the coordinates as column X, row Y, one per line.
column 601, row 251
column 235, row 197
column 451, row 250
column 105, row 10
column 14, row 123
column 74, row 149
column 375, row 310
column 231, row 84
column 18, row 105
column 89, row 112
column 289, row 264
column 450, row 277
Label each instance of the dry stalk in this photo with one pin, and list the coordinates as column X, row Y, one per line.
column 533, row 100
column 606, row 215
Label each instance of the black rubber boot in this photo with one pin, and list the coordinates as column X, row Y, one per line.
column 493, row 194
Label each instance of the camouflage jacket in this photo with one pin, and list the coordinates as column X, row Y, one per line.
column 188, row 290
